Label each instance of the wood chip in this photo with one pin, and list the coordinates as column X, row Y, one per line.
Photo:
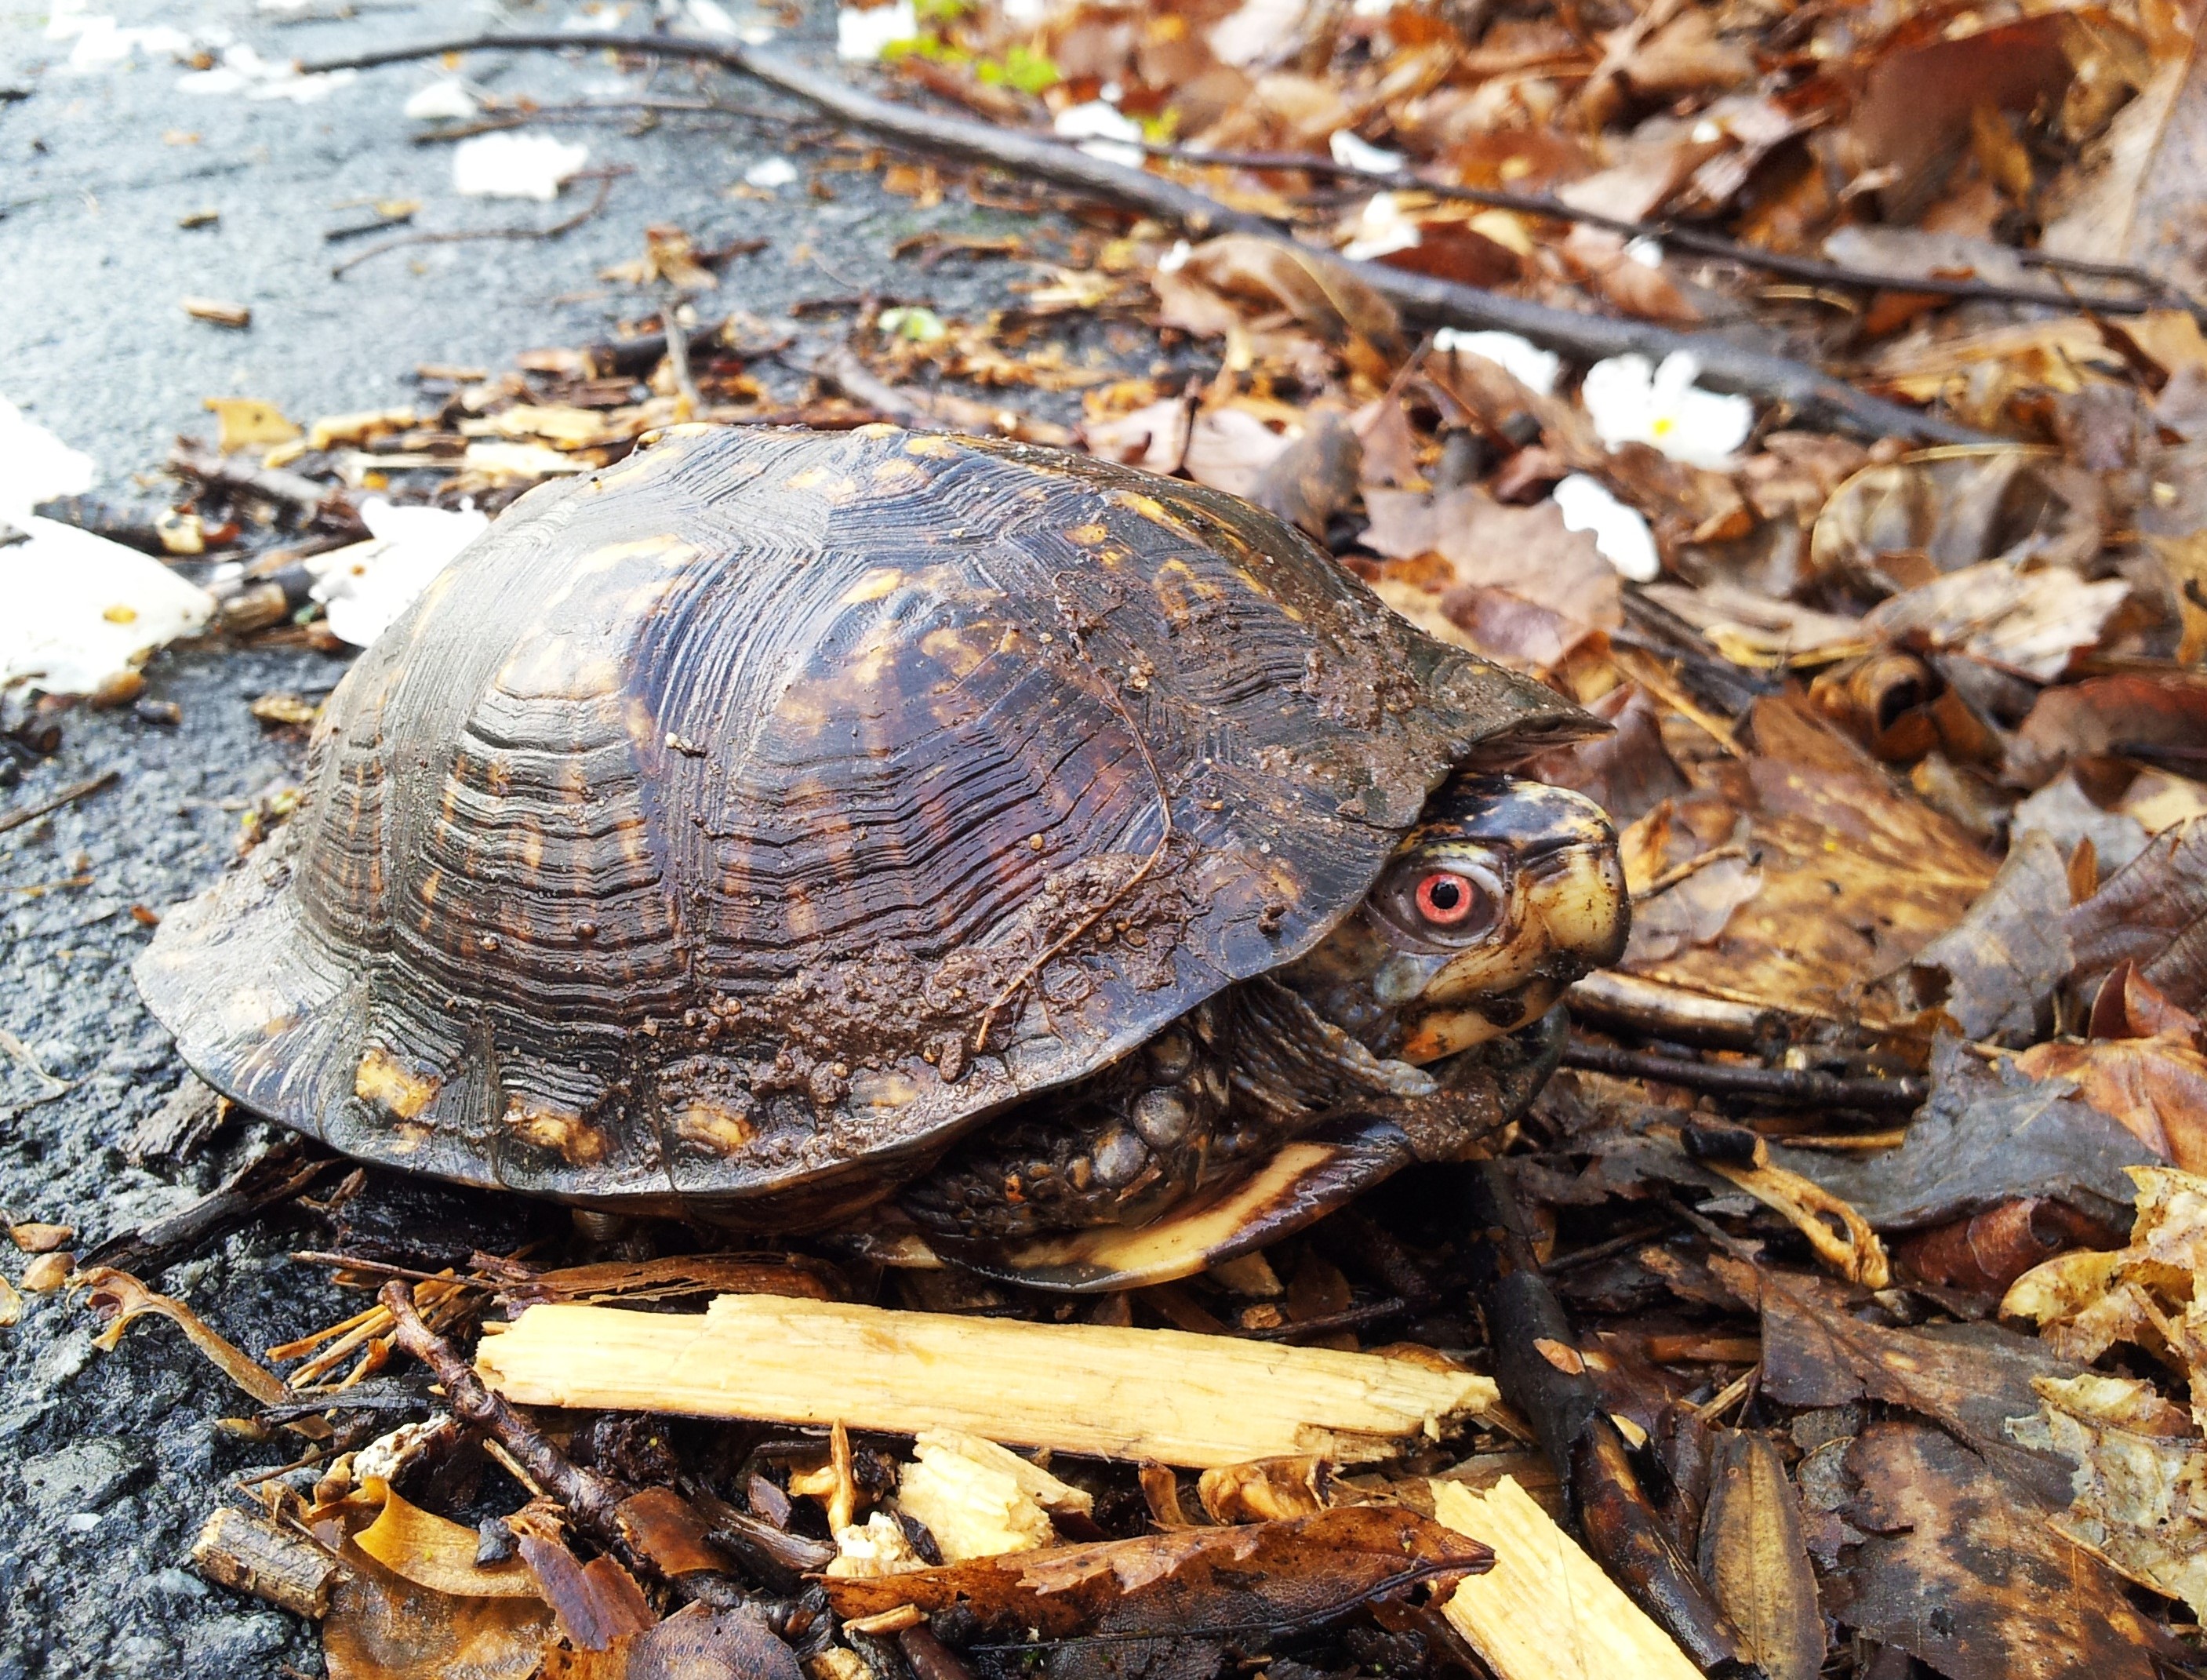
column 248, row 1555
column 215, row 310
column 1198, row 1401
column 1546, row 1610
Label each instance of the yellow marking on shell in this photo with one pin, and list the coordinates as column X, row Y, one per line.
column 878, row 428
column 808, row 478
column 1089, row 535
column 931, row 447
column 874, row 586
column 407, row 1139
column 550, row 667
column 1154, row 511
column 889, row 1088
column 532, row 846
column 713, row 1126
column 430, row 883
column 635, row 841
column 398, row 1090
column 665, row 548
column 894, row 474
column 960, row 648
column 799, row 917
column 562, row 1131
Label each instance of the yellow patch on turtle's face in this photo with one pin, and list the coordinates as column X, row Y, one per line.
column 562, row 1131
column 394, row 1087
column 713, row 1126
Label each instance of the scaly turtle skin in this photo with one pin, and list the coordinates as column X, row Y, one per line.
column 735, row 829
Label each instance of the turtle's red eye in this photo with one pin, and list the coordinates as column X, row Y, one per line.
column 1446, row 898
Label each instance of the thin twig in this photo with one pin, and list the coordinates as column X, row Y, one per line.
column 592, row 1498
column 68, row 796
column 1816, row 396
column 605, row 180
column 1810, row 269
column 1687, row 871
column 1806, row 1085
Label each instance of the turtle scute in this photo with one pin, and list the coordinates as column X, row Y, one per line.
column 739, row 823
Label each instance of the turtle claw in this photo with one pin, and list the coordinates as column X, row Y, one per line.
column 1301, row 1182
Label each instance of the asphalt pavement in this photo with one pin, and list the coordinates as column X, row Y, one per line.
column 110, row 1460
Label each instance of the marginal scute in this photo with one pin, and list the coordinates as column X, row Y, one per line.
column 680, row 848
column 399, row 1090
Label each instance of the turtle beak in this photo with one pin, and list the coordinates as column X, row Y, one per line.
column 1569, row 912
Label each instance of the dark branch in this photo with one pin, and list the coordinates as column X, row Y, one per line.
column 1806, row 1086
column 2161, row 293
column 1817, row 396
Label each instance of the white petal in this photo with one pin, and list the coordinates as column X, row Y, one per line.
column 36, row 465
column 861, row 36
column 1096, row 125
column 1532, row 366
column 1619, row 532
column 447, row 101
column 1350, row 153
column 515, row 166
column 82, row 609
column 773, row 172
column 365, row 587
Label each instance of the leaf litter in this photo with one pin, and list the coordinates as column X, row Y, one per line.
column 1907, row 751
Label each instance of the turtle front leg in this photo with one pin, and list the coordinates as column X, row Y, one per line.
column 1113, row 1148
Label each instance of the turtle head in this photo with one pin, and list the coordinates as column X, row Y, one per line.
column 1503, row 894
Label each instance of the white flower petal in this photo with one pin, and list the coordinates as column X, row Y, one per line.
column 36, row 465
column 367, row 586
column 1630, row 402
column 1381, row 228
column 445, row 101
column 1350, row 153
column 1532, row 366
column 1619, row 532
column 771, row 173
column 864, row 36
column 515, row 166
column 83, row 610
column 1097, row 125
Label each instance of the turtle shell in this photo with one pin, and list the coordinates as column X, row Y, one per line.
column 741, row 821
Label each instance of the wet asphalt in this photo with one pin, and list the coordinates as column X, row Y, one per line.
column 110, row 1460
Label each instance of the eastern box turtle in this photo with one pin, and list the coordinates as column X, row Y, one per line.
column 775, row 821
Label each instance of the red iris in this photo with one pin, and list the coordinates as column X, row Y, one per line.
column 1445, row 898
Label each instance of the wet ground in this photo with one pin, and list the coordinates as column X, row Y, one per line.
column 108, row 1461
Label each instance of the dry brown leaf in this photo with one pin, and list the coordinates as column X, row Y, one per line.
column 1857, row 877
column 1489, row 544
column 381, row 1626
column 1895, row 526
column 439, row 1555
column 2140, row 1501
column 1755, row 1557
column 1229, row 449
column 2156, row 1086
column 2139, row 201
column 1177, row 1586
column 1153, row 438
column 1955, row 1569
column 1317, row 291
column 2031, row 622
column 2153, row 915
